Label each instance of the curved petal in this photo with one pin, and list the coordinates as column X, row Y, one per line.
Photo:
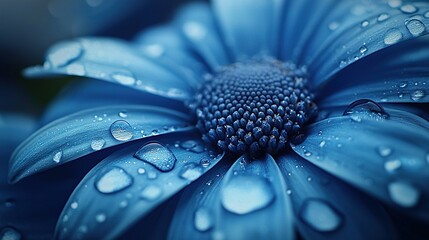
column 396, row 74
column 357, row 42
column 128, row 184
column 249, row 202
column 115, row 61
column 93, row 94
column 250, row 27
column 386, row 157
column 88, row 131
column 326, row 208
column 197, row 25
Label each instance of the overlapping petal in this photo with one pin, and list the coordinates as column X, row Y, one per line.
column 128, row 184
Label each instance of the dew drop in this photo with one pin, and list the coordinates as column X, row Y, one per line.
column 152, row 175
column 191, row 172
column 154, row 50
column 203, row 220
column 57, row 156
column 415, row 27
column 383, row 17
column 114, row 180
column 65, row 55
column 101, row 217
column 427, row 14
column 9, row 233
column 403, row 194
column 151, row 192
column 364, row 24
column 333, row 26
column 194, row 30
column 205, row 162
column 121, row 130
column 320, row 216
column 157, row 155
column 76, row 69
column 124, row 78
column 123, row 114
column 364, row 109
column 392, row 36
column 141, row 171
column 322, row 143
column 417, row 95
column 394, row 3
column 403, row 84
column 74, row 205
column 384, row 151
column 392, row 166
column 363, row 49
column 97, row 144
column 244, row 194
column 409, row 8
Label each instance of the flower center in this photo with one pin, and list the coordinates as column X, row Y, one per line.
column 254, row 107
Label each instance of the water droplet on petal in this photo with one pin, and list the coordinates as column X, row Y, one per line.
column 141, row 171
column 151, row 192
column 394, row 3
column 427, row 14
column 9, row 233
column 114, row 180
column 123, row 114
column 124, row 78
column 74, row 205
column 121, row 130
column 392, row 166
column 403, row 84
column 392, row 36
column 409, row 8
column 322, row 143
column 57, row 156
column 157, row 155
column 244, row 194
column 320, row 216
column 194, row 30
column 383, row 17
column 333, row 26
column 364, row 24
column 65, row 55
column 363, row 49
column 384, row 151
column 76, row 69
column 417, row 95
column 154, row 50
column 415, row 27
column 191, row 172
column 403, row 194
column 97, row 144
column 101, row 217
column 365, row 109
column 203, row 219
column 205, row 162
column 152, row 175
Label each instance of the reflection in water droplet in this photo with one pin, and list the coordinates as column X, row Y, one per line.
column 384, row 151
column 158, row 155
column 121, row 130
column 392, row 36
column 151, row 192
column 64, row 55
column 9, row 233
column 97, row 144
column 191, row 172
column 244, row 194
column 320, row 216
column 415, row 27
column 205, row 162
column 124, row 78
column 403, row 194
column 365, row 109
column 392, row 166
column 101, row 217
column 409, row 8
column 203, row 219
column 57, row 156
column 417, row 95
column 114, row 180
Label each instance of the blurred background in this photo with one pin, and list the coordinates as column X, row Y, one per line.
column 29, row 27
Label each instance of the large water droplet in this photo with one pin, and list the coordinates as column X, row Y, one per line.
column 158, row 155
column 409, row 8
column 415, row 27
column 403, row 194
column 114, row 180
column 121, row 130
column 124, row 78
column 244, row 194
column 9, row 233
column 151, row 192
column 320, row 216
column 417, row 95
column 57, row 156
column 97, row 144
column 392, row 36
column 203, row 219
column 65, row 55
column 365, row 109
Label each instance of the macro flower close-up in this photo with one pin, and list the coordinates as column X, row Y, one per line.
column 236, row 119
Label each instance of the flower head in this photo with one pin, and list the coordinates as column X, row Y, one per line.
column 281, row 116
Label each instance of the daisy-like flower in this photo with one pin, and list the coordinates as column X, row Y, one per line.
column 277, row 118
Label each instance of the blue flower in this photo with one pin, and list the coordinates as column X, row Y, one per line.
column 245, row 119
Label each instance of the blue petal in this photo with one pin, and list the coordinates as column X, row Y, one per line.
column 370, row 27
column 326, row 208
column 92, row 94
column 88, row 131
column 122, row 189
column 197, row 25
column 388, row 158
column 396, row 74
column 249, row 202
column 115, row 61
column 249, row 27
